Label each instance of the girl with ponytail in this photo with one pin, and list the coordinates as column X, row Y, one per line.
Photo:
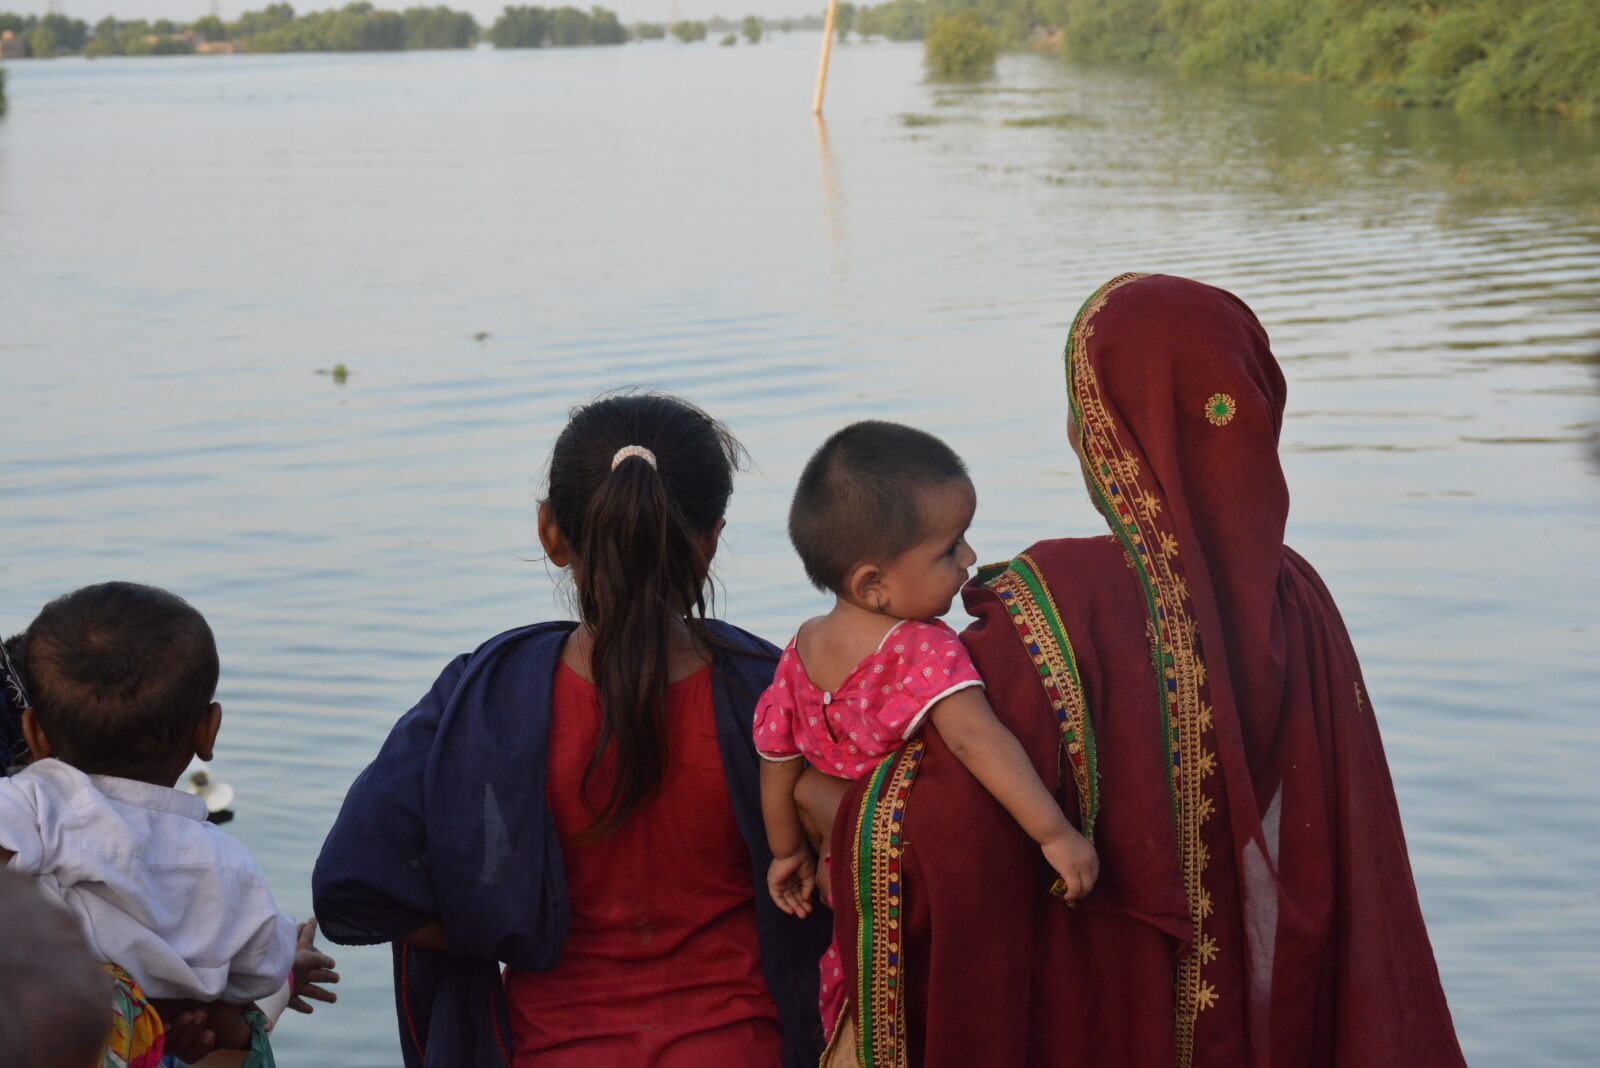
column 577, row 804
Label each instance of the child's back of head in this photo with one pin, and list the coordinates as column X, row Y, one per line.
column 120, row 675
column 860, row 497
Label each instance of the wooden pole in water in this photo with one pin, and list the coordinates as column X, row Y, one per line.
column 827, row 49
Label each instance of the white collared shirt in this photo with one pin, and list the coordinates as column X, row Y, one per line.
column 176, row 902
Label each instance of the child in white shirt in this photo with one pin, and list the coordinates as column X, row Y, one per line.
column 121, row 679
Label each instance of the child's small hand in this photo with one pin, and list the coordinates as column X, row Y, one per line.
column 791, row 879
column 188, row 1038
column 311, row 968
column 1075, row 860
column 195, row 1030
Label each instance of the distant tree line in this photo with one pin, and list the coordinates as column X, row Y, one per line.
column 356, row 27
column 360, row 27
column 46, row 35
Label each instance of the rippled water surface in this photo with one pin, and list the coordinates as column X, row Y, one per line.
column 485, row 239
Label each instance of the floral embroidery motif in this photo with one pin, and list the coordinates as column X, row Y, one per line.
column 875, row 876
column 1220, row 409
column 1186, row 717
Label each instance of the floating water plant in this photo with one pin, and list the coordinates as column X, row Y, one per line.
column 1060, row 120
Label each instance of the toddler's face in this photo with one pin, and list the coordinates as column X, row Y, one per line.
column 923, row 581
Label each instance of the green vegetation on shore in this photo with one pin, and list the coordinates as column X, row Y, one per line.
column 1513, row 55
column 358, row 27
column 46, row 35
column 1516, row 55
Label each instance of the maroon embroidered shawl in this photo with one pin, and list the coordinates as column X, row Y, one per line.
column 1189, row 685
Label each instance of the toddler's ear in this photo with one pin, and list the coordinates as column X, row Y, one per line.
column 39, row 747
column 865, row 586
column 205, row 732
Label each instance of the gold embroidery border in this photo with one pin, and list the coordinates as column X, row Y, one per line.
column 1044, row 638
column 1134, row 515
column 881, row 1026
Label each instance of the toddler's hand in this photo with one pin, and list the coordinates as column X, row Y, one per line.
column 1075, row 860
column 311, row 968
column 791, row 879
column 188, row 1038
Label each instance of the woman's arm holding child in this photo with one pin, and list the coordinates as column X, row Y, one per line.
column 997, row 760
column 793, row 873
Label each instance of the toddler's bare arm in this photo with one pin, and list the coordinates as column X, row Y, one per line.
column 792, row 874
column 778, row 811
column 997, row 760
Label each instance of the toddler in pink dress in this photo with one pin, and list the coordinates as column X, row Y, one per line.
column 879, row 520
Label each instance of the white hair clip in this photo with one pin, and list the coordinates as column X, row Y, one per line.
column 630, row 451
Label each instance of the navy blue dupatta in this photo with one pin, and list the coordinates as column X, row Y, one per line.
column 450, row 822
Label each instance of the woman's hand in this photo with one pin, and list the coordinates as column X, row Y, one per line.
column 790, row 880
column 311, row 968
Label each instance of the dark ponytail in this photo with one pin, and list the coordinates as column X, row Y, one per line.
column 639, row 533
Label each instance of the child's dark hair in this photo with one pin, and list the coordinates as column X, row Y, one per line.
column 641, row 533
column 859, row 497
column 119, row 675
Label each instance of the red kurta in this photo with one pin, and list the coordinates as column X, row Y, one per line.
column 661, row 967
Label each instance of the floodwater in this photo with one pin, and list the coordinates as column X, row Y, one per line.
column 485, row 239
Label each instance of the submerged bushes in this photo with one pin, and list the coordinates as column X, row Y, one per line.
column 1526, row 55
column 961, row 46
column 562, row 27
column 1540, row 55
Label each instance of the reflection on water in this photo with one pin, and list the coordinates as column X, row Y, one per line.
column 184, row 242
column 1594, row 426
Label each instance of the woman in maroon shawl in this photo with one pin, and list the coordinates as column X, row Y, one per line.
column 1189, row 686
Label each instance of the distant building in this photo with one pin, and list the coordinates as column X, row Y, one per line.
column 203, row 47
column 11, row 46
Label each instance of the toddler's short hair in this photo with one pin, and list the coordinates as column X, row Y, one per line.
column 119, row 675
column 859, row 497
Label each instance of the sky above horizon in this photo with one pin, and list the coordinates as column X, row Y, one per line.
column 484, row 10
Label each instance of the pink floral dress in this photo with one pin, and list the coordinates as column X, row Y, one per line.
column 847, row 731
